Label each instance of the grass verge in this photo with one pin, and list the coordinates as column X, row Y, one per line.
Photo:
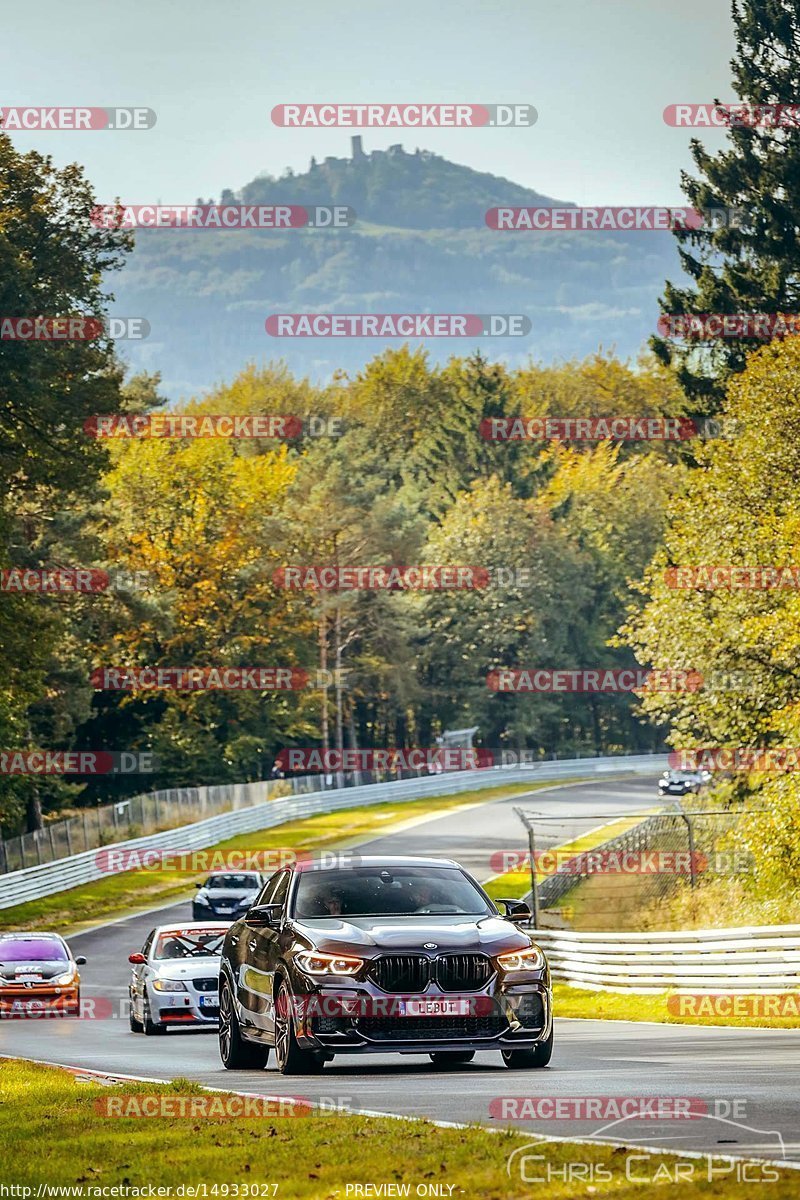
column 319, row 1156
column 121, row 893
column 618, row 1006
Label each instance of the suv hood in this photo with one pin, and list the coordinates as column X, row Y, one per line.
column 408, row 934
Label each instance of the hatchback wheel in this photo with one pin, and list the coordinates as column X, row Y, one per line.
column 291, row 1059
column 236, row 1053
column 539, row 1056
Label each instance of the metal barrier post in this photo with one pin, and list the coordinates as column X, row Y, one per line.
column 690, row 839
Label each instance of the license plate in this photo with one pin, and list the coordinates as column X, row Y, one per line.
column 434, row 1008
column 27, row 979
column 224, row 908
column 209, row 1001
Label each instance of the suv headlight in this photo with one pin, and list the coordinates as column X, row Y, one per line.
column 169, row 985
column 531, row 959
column 314, row 963
column 65, row 978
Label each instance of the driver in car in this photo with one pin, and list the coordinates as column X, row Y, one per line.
column 424, row 896
column 328, row 903
column 174, row 948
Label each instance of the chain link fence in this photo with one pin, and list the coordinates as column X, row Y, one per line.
column 140, row 815
column 605, row 884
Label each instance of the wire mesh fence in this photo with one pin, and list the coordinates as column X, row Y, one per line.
column 621, row 871
column 105, row 824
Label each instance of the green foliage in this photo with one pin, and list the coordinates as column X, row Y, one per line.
column 752, row 267
column 738, row 509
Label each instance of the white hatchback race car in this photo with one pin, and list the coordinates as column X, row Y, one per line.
column 175, row 978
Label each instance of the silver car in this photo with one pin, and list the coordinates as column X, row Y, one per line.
column 175, row 978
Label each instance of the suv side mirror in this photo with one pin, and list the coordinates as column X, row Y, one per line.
column 516, row 911
column 262, row 916
column 80, row 961
column 137, row 959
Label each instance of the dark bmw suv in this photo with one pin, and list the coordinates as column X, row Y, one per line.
column 381, row 954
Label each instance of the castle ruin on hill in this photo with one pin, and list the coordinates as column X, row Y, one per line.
column 359, row 155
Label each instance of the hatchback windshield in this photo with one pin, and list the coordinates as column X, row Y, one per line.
column 32, row 950
column 250, row 882
column 194, row 943
column 387, row 892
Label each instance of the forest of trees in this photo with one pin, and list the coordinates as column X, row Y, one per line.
column 193, row 531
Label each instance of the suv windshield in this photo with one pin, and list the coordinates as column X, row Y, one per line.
column 250, row 882
column 32, row 950
column 387, row 892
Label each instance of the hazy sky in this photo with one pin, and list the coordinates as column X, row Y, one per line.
column 600, row 73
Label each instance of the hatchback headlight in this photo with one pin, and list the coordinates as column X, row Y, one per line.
column 314, row 963
column 65, row 978
column 201, row 899
column 169, row 985
column 530, row 959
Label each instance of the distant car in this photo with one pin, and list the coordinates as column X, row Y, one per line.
column 226, row 894
column 175, row 978
column 391, row 954
column 682, row 783
column 38, row 973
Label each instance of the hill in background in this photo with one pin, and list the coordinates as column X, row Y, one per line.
column 419, row 244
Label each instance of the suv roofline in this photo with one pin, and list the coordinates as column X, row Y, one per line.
column 374, row 860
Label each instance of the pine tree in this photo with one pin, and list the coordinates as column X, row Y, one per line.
column 752, row 265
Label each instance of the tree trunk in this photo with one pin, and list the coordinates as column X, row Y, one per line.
column 338, row 687
column 33, row 811
column 323, row 666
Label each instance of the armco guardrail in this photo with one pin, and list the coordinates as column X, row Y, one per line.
column 749, row 959
column 34, row 882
